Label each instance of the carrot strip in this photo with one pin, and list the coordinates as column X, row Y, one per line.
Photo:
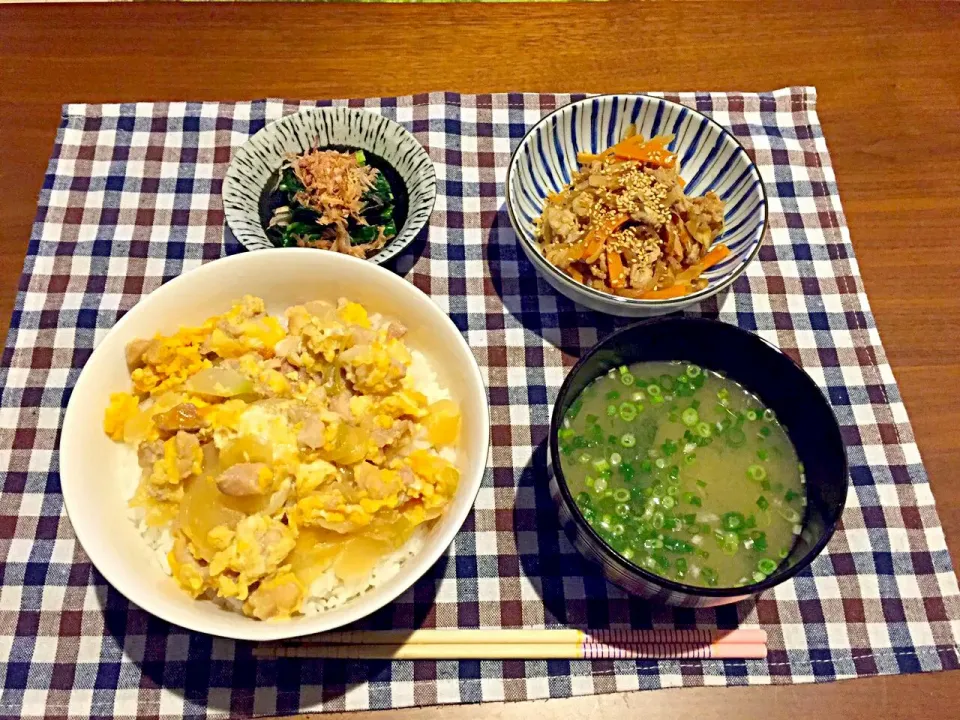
column 593, row 242
column 674, row 291
column 575, row 274
column 714, row 256
column 590, row 157
column 615, row 271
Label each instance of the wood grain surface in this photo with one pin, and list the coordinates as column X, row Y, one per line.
column 888, row 77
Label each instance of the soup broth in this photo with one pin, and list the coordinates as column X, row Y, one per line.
column 684, row 472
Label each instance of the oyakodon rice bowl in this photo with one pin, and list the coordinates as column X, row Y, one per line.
column 303, row 474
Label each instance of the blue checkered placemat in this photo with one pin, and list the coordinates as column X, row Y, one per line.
column 132, row 198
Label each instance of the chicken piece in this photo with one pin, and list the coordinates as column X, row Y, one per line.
column 378, row 484
column 396, row 330
column 189, row 454
column 245, row 479
column 312, row 434
column 134, row 353
column 341, row 405
column 149, row 452
column 183, row 417
column 277, row 597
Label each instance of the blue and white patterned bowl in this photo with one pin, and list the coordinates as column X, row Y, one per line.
column 259, row 157
column 710, row 159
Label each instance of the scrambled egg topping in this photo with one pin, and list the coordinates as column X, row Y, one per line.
column 274, row 454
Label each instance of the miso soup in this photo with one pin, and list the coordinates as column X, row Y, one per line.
column 684, row 472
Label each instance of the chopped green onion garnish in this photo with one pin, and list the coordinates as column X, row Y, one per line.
column 626, row 378
column 704, row 430
column 751, row 415
column 766, row 566
column 627, row 411
column 693, row 371
column 615, row 459
column 690, row 417
column 599, row 485
column 692, row 499
column 621, row 495
column 611, row 410
column 762, row 503
column 762, row 454
column 769, row 415
column 628, row 440
column 667, row 503
column 756, row 473
column 613, row 395
column 653, row 390
column 732, row 520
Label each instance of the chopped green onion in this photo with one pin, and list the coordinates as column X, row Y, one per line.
column 693, row 371
column 601, row 465
column 733, row 520
column 690, row 459
column 646, row 466
column 756, row 473
column 638, row 397
column 704, row 430
column 653, row 390
column 660, row 463
column 690, row 417
column 701, row 483
column 692, row 499
column 723, row 393
column 584, row 499
column 668, row 448
column 735, row 437
column 628, row 440
column 626, row 378
column 615, row 459
column 600, row 484
column 762, row 454
column 584, row 458
column 759, row 540
column 611, row 410
column 789, row 514
column 667, row 503
column 656, row 521
column 765, row 431
column 621, row 495
column 766, row 566
column 589, row 481
column 613, row 395
column 769, row 415
column 361, row 158
column 784, row 552
column 627, row 411
column 759, row 576
column 762, row 503
column 790, row 496
column 666, row 382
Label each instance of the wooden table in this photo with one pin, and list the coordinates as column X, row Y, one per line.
column 889, row 88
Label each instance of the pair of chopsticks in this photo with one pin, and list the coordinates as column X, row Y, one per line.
column 470, row 644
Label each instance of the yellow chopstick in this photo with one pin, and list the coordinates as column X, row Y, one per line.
column 523, row 636
column 496, row 651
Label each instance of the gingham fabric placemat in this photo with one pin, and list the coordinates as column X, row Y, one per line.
column 131, row 198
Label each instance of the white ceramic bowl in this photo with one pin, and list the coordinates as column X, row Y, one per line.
column 259, row 157
column 710, row 159
column 93, row 468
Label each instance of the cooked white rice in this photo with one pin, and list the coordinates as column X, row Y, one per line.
column 327, row 591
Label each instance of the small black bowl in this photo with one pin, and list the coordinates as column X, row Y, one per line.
column 763, row 370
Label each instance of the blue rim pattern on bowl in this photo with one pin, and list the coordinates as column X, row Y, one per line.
column 262, row 154
column 710, row 159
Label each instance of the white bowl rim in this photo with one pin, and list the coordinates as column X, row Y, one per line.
column 392, row 249
column 257, row 630
column 679, row 302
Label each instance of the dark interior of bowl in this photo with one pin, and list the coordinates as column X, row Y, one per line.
column 764, row 370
